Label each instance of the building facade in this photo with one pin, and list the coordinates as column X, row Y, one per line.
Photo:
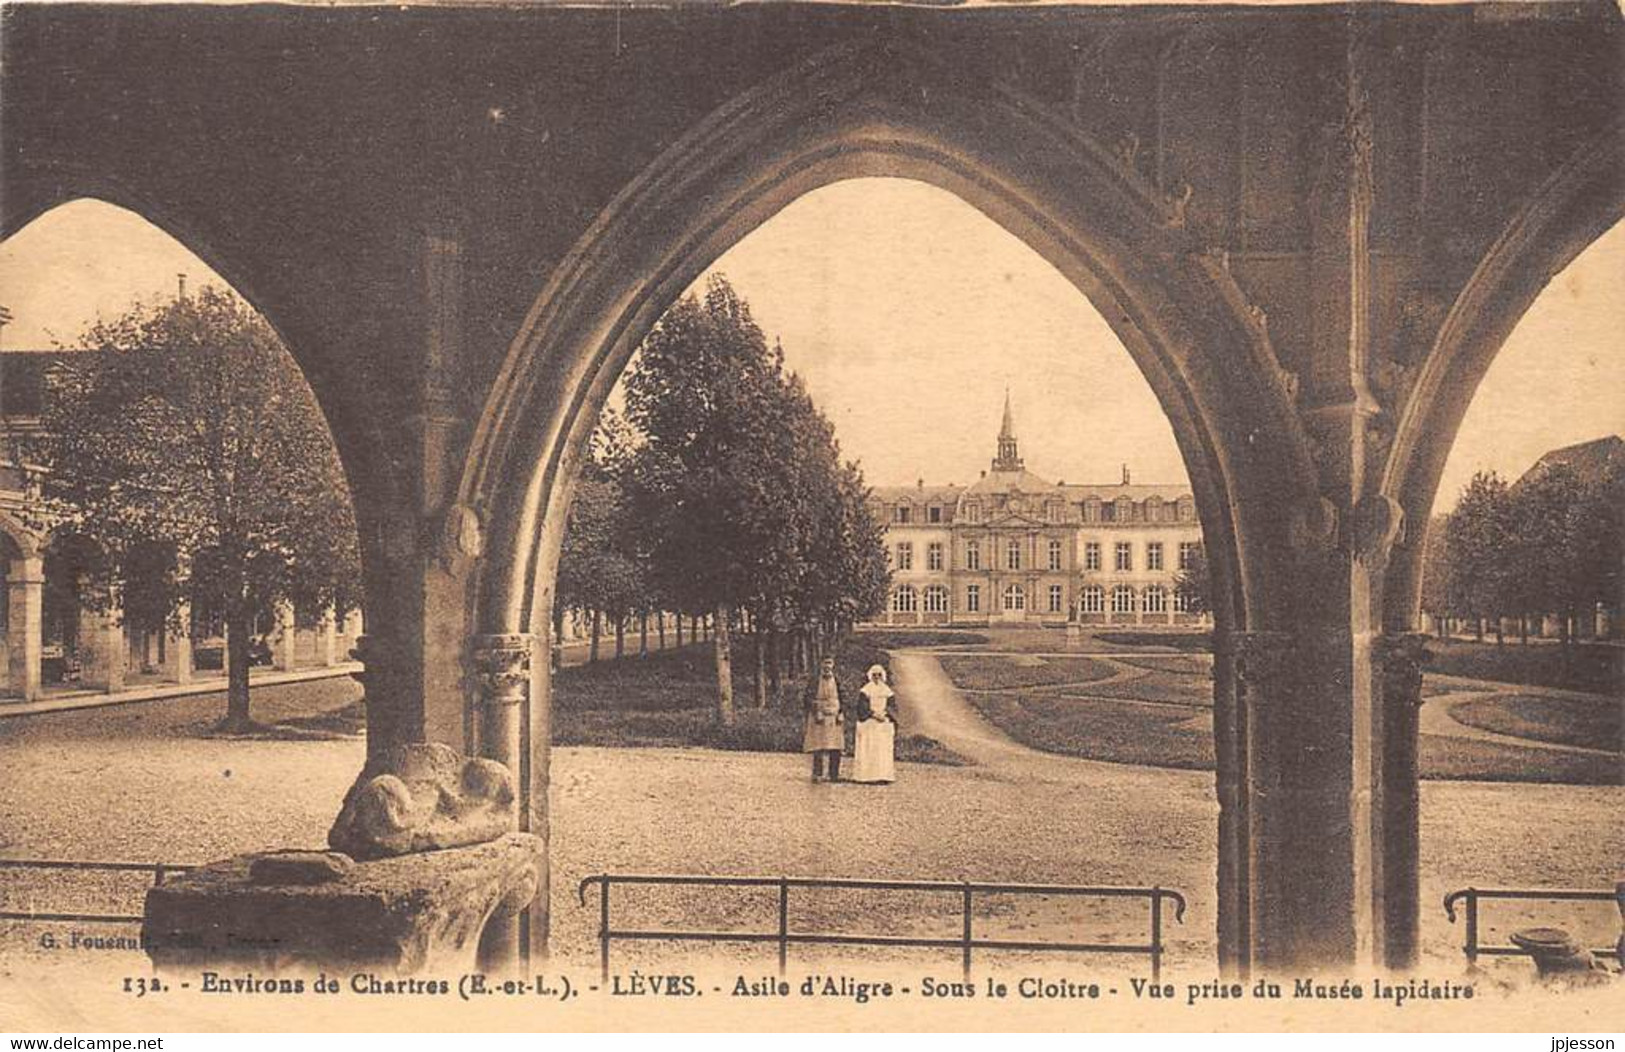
column 1012, row 547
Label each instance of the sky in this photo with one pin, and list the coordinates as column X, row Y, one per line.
column 909, row 313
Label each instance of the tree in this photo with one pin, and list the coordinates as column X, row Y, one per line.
column 1193, row 583
column 184, row 443
column 1436, row 574
column 1479, row 551
column 600, row 571
column 744, row 507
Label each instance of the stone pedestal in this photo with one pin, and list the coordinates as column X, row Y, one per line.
column 413, row 914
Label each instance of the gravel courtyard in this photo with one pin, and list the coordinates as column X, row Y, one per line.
column 136, row 783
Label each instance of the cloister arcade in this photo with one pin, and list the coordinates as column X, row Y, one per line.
column 1312, row 227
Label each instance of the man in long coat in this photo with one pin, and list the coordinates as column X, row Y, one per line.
column 825, row 734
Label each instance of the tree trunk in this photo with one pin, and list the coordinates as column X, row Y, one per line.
column 775, row 672
column 1478, row 628
column 1523, row 628
column 761, row 668
column 660, row 628
column 725, row 679
column 620, row 637
column 595, row 632
column 643, row 634
column 679, row 620
column 239, row 627
column 1500, row 631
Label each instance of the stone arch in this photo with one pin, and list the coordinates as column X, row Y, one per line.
column 355, row 432
column 877, row 110
column 27, row 542
column 1577, row 204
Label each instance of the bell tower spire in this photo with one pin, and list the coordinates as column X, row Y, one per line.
column 1009, row 458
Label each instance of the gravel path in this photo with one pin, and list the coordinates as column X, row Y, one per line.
column 131, row 783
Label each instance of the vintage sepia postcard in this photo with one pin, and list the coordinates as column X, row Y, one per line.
column 812, row 516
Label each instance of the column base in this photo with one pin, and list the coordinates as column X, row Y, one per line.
column 304, row 911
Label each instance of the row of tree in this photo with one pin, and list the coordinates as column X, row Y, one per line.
column 1550, row 544
column 721, row 493
column 183, row 451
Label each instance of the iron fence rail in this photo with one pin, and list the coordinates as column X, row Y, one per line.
column 1472, row 896
column 966, row 942
column 159, row 871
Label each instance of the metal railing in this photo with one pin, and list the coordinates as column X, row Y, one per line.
column 159, row 871
column 966, row 941
column 1474, row 949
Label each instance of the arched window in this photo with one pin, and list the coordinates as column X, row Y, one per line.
column 1012, row 554
column 1122, row 599
column 1093, row 600
column 905, row 600
column 1015, row 598
column 936, row 599
column 1156, row 600
column 973, row 555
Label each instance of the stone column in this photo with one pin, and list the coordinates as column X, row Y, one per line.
column 284, row 643
column 327, row 640
column 102, row 650
column 504, row 667
column 25, row 590
column 178, row 649
column 1400, row 657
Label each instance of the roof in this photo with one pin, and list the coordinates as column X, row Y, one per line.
column 917, row 493
column 1593, row 461
column 1134, row 491
column 1023, row 481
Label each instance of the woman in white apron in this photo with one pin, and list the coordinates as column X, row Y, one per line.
column 874, row 753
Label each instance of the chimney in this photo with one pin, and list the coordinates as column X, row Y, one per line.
column 1125, row 474
column 919, row 483
column 180, row 280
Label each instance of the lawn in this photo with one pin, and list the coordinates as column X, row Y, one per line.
column 1590, row 723
column 1163, row 719
column 1114, row 731
column 668, row 699
column 1592, row 667
column 1002, row 673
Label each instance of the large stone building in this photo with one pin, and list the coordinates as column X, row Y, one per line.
column 1014, row 547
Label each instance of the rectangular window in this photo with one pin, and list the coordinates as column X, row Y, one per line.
column 1108, row 513
column 973, row 555
column 1012, row 555
column 933, row 556
column 900, row 513
column 973, row 513
column 1055, row 598
column 1125, row 556
column 933, row 514
column 1054, row 555
column 973, row 598
column 905, row 556
column 1153, row 555
column 1187, row 554
column 1091, row 555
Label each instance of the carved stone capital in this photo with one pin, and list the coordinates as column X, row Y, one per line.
column 502, row 664
column 1401, row 657
column 1312, row 527
column 1377, row 522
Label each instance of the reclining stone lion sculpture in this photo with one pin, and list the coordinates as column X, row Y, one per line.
column 423, row 797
